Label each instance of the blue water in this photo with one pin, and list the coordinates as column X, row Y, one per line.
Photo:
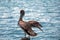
column 47, row 12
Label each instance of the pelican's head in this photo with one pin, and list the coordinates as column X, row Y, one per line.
column 22, row 12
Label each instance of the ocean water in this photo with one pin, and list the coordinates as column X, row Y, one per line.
column 47, row 12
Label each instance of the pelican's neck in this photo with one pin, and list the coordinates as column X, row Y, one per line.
column 20, row 19
column 21, row 16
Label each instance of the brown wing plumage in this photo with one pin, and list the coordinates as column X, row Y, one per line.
column 27, row 28
column 35, row 24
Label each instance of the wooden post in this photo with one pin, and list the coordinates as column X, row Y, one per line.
column 25, row 38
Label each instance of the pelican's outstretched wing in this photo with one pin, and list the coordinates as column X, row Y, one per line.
column 36, row 24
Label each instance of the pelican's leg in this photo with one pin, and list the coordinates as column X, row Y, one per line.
column 29, row 37
column 25, row 34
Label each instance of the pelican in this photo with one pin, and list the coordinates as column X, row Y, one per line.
column 26, row 26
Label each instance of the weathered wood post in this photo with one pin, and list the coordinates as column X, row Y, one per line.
column 25, row 38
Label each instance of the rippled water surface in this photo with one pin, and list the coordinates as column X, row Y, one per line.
column 47, row 12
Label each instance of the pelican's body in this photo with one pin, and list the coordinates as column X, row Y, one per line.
column 27, row 28
column 25, row 25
